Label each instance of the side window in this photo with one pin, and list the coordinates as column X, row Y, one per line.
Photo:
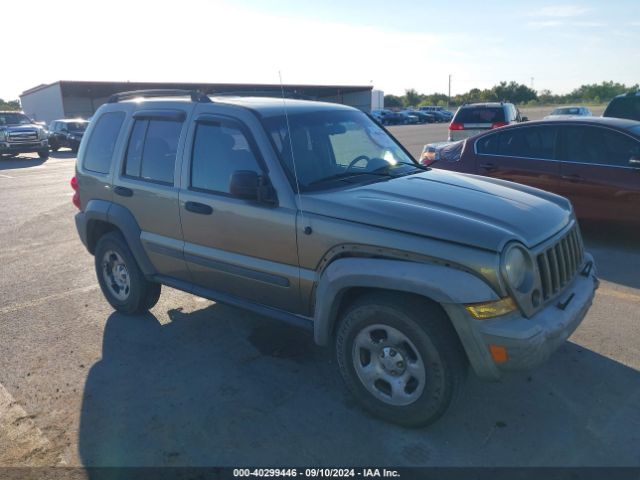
column 600, row 146
column 151, row 153
column 219, row 149
column 619, row 148
column 535, row 142
column 488, row 145
column 99, row 150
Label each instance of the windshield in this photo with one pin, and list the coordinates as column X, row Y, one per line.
column 76, row 126
column 12, row 118
column 336, row 146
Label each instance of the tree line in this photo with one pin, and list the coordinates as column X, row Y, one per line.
column 10, row 105
column 513, row 92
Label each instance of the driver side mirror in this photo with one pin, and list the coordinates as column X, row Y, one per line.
column 248, row 185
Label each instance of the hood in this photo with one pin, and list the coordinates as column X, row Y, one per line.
column 468, row 209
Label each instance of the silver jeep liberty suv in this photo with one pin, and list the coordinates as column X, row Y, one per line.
column 313, row 214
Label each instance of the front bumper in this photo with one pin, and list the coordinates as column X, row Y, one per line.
column 529, row 341
column 37, row 146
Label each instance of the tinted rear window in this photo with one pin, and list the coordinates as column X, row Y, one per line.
column 99, row 151
column 151, row 154
column 624, row 107
column 480, row 115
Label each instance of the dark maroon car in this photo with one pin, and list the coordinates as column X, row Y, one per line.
column 595, row 162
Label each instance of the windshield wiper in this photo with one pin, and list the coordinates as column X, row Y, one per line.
column 387, row 168
column 345, row 175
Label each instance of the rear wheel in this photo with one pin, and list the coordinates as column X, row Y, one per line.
column 400, row 357
column 121, row 280
column 44, row 154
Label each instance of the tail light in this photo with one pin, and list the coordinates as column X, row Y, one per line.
column 76, row 195
column 456, row 126
column 499, row 124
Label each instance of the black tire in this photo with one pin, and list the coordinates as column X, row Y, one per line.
column 141, row 294
column 435, row 341
column 54, row 149
column 43, row 154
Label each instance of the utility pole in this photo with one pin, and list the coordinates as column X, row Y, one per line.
column 449, row 99
column 531, row 83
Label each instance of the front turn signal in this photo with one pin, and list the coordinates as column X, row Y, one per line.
column 485, row 310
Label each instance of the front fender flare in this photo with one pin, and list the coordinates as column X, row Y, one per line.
column 442, row 284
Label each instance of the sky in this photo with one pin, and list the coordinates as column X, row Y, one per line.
column 392, row 45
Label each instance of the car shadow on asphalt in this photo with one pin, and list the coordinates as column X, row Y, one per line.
column 220, row 386
column 63, row 154
column 14, row 163
column 616, row 251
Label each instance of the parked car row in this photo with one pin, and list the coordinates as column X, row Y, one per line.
column 412, row 116
column 21, row 134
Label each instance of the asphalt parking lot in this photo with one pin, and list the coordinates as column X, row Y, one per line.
column 197, row 383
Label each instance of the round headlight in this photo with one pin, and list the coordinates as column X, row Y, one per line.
column 517, row 268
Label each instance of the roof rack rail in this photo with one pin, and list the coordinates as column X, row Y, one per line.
column 195, row 95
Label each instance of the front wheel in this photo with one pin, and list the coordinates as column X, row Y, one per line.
column 400, row 357
column 121, row 280
column 44, row 154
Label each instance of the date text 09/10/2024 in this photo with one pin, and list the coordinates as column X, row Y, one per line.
column 316, row 472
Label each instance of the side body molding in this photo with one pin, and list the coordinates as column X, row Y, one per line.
column 441, row 284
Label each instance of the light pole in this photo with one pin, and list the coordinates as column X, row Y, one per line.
column 449, row 98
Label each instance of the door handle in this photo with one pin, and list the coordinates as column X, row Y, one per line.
column 200, row 208
column 123, row 191
column 489, row 167
column 572, row 178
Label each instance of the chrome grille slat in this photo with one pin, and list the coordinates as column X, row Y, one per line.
column 558, row 263
column 562, row 273
column 555, row 271
column 567, row 258
column 543, row 265
column 574, row 250
column 570, row 252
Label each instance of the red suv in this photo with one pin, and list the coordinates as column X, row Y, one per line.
column 595, row 162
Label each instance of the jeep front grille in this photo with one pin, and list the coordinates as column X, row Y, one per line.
column 559, row 263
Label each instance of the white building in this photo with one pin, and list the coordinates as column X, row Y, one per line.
column 72, row 99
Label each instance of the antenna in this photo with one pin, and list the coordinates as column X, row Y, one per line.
column 293, row 158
